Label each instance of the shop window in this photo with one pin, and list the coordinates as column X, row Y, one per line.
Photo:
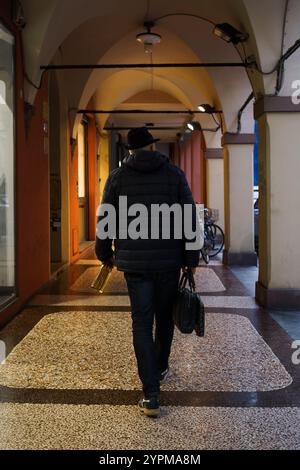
column 7, row 167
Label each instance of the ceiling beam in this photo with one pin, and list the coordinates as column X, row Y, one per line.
column 157, row 128
column 141, row 66
column 141, row 111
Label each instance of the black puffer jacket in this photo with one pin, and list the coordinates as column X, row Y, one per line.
column 148, row 178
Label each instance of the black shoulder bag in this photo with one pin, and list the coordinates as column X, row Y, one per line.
column 188, row 308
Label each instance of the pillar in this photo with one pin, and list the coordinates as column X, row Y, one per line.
column 113, row 150
column 198, row 176
column 182, row 155
column 278, row 284
column 238, row 190
column 176, row 154
column 188, row 160
column 215, row 181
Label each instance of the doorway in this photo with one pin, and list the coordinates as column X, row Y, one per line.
column 83, row 185
column 55, row 176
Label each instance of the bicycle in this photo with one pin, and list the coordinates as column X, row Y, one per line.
column 213, row 234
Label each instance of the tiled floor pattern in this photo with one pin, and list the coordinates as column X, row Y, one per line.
column 290, row 321
column 102, row 427
column 239, row 302
column 94, row 262
column 205, row 279
column 247, row 275
column 81, row 300
column 116, row 283
column 71, row 346
column 72, row 350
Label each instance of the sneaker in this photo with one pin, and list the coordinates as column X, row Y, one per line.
column 150, row 407
column 163, row 375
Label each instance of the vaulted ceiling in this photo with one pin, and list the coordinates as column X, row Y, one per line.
column 95, row 32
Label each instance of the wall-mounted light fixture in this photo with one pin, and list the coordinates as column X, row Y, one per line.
column 193, row 126
column 223, row 30
column 207, row 108
column 229, row 33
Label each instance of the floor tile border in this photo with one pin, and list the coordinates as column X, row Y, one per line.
column 277, row 339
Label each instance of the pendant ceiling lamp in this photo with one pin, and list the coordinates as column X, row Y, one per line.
column 148, row 38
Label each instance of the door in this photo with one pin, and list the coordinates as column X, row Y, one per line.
column 55, row 175
column 83, row 180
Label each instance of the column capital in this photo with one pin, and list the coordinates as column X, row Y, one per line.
column 238, row 139
column 274, row 104
column 214, row 153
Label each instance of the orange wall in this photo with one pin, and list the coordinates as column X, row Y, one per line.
column 33, row 203
column 93, row 190
column 32, row 189
column 93, row 177
column 33, row 192
column 189, row 156
column 188, row 161
column 74, row 209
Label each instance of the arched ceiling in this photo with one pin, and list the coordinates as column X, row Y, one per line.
column 69, row 31
column 111, row 87
column 116, row 90
column 196, row 84
column 269, row 36
column 144, row 100
column 52, row 22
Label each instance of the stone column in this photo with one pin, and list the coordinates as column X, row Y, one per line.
column 278, row 284
column 238, row 185
column 188, row 160
column 198, row 180
column 181, row 156
column 215, row 181
column 113, row 150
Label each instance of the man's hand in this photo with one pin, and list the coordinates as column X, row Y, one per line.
column 110, row 262
column 185, row 268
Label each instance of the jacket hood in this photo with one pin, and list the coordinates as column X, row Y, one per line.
column 146, row 161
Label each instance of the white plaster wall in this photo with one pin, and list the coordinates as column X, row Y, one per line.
column 215, row 187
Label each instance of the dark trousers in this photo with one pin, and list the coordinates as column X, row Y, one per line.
column 151, row 296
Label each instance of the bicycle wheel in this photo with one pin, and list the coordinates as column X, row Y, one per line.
column 216, row 244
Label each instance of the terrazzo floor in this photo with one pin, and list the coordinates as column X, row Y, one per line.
column 205, row 279
column 73, row 350
column 105, row 427
column 61, row 300
column 69, row 378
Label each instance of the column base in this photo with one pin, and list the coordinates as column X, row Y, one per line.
column 239, row 259
column 277, row 299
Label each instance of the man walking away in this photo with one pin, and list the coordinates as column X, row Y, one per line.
column 151, row 266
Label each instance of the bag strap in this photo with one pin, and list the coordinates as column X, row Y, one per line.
column 182, row 281
column 187, row 277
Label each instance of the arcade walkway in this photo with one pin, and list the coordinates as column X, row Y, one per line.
column 69, row 380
